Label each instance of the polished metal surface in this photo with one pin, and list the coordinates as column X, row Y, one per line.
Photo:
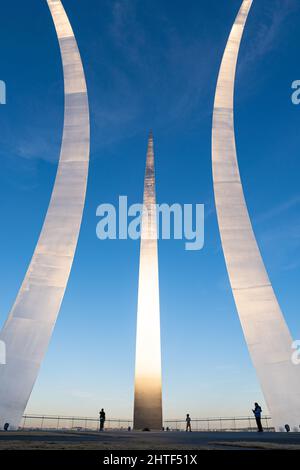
column 29, row 326
column 266, row 333
column 148, row 395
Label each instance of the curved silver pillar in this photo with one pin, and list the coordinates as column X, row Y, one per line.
column 30, row 323
column 148, row 396
column 265, row 330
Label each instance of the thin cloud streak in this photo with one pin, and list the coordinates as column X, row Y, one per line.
column 268, row 27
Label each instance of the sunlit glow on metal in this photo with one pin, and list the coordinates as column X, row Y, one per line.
column 265, row 330
column 30, row 323
column 147, row 399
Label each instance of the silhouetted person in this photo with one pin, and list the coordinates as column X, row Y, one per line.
column 257, row 413
column 188, row 423
column 102, row 419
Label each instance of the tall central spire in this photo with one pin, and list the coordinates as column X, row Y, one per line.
column 148, row 398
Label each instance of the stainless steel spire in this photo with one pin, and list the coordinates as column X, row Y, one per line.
column 148, row 395
column 266, row 333
column 30, row 323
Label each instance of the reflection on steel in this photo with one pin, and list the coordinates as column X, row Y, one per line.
column 30, row 323
column 267, row 336
column 147, row 398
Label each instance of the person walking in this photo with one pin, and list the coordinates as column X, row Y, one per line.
column 102, row 419
column 257, row 413
column 188, row 423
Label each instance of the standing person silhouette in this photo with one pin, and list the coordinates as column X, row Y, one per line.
column 257, row 413
column 102, row 419
column 188, row 423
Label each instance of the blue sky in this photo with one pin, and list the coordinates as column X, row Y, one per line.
column 151, row 64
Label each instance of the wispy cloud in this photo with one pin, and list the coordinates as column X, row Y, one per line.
column 158, row 78
column 279, row 210
column 126, row 31
column 33, row 131
column 270, row 17
column 279, row 233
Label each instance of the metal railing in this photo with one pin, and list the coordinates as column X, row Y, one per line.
column 75, row 423
column 71, row 423
column 235, row 424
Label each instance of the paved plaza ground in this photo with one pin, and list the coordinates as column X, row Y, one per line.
column 123, row 440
